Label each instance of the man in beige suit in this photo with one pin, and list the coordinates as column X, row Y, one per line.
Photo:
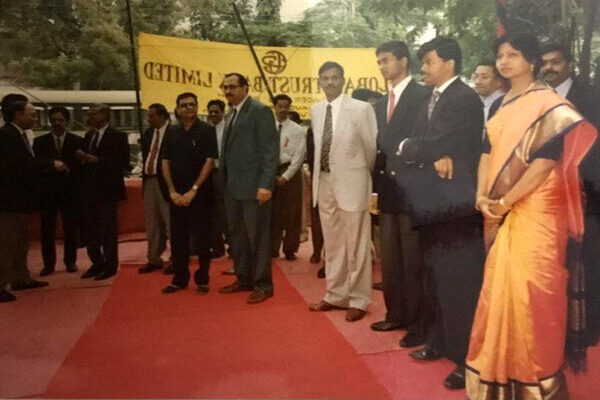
column 345, row 132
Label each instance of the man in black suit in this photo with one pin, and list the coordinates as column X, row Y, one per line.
column 249, row 161
column 19, row 170
column 59, row 190
column 105, row 158
column 442, row 155
column 556, row 71
column 187, row 162
column 156, row 207
column 401, row 259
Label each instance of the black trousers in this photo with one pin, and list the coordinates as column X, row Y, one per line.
column 218, row 219
column 69, row 216
column 189, row 225
column 250, row 227
column 287, row 215
column 316, row 232
column 101, row 234
column 591, row 265
column 454, row 257
column 402, row 269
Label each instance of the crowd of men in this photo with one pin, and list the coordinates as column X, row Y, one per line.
column 408, row 157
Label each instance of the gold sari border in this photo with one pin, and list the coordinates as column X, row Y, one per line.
column 550, row 388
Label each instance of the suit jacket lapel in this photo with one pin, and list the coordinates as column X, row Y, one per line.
column 381, row 111
column 402, row 106
column 239, row 120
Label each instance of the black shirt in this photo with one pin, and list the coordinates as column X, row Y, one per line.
column 187, row 151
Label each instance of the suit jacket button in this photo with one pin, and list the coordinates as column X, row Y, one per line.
column 381, row 172
column 393, row 173
column 378, row 151
column 398, row 153
column 421, row 165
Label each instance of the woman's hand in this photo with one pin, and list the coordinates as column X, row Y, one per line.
column 486, row 206
column 500, row 208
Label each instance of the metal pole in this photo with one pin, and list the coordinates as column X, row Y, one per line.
column 136, row 77
column 262, row 73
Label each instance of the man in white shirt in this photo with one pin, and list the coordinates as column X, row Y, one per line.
column 287, row 197
column 345, row 133
column 489, row 85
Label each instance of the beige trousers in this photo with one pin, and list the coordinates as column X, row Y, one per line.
column 347, row 250
column 156, row 215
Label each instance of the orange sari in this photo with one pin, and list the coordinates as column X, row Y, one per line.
column 518, row 337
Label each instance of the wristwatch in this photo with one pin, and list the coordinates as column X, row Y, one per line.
column 195, row 187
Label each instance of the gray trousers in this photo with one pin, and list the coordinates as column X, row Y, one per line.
column 14, row 243
column 156, row 214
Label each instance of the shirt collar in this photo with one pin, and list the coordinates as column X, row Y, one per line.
column 102, row 130
column 563, row 88
column 336, row 102
column 163, row 128
column 401, row 86
column 284, row 122
column 445, row 85
column 21, row 131
column 489, row 100
column 239, row 106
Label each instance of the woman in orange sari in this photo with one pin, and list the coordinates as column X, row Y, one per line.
column 528, row 192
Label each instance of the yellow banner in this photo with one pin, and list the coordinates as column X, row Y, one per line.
column 169, row 66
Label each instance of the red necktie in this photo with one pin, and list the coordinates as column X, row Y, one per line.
column 391, row 104
column 151, row 168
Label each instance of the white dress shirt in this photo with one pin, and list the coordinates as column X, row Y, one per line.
column 160, row 137
column 292, row 147
column 336, row 106
column 100, row 135
column 488, row 101
column 563, row 88
column 219, row 129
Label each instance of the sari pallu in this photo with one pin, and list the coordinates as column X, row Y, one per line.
column 517, row 342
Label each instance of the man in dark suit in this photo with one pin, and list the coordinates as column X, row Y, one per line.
column 556, row 71
column 156, row 207
column 59, row 190
column 249, row 161
column 442, row 155
column 401, row 259
column 19, row 170
column 105, row 158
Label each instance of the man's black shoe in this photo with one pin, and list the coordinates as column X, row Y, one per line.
column 46, row 271
column 172, row 289
column 105, row 275
column 6, row 296
column 425, row 354
column 377, row 286
column 321, row 273
column 315, row 258
column 456, row 379
column 30, row 284
column 149, row 268
column 72, row 268
column 202, row 289
column 92, row 271
column 290, row 256
column 412, row 339
column 385, row 326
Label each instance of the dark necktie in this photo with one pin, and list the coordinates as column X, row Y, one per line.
column 432, row 102
column 327, row 137
column 94, row 144
column 150, row 167
column 279, row 129
column 227, row 132
column 26, row 139
column 58, row 144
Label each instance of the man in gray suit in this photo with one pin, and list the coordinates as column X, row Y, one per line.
column 250, row 156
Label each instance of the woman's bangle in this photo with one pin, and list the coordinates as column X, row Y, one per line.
column 503, row 204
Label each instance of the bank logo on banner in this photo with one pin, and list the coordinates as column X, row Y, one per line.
column 169, row 66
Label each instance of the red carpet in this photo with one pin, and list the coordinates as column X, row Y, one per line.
column 145, row 344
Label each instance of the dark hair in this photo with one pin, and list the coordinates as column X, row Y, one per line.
column 365, row 94
column 492, row 65
column 553, row 46
column 62, row 110
column 185, row 95
column 101, row 109
column 527, row 44
column 446, row 48
column 11, row 104
column 242, row 81
column 161, row 110
column 329, row 65
column 282, row 97
column 294, row 116
column 216, row 102
column 396, row 47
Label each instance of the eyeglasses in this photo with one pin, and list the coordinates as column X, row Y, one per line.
column 188, row 105
column 227, row 87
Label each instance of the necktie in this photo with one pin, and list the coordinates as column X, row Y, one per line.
column 26, row 139
column 327, row 137
column 391, row 105
column 226, row 133
column 432, row 102
column 151, row 167
column 58, row 143
column 279, row 129
column 94, row 144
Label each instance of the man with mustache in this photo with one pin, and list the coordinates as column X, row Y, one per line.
column 345, row 132
column 250, row 156
column 556, row 71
